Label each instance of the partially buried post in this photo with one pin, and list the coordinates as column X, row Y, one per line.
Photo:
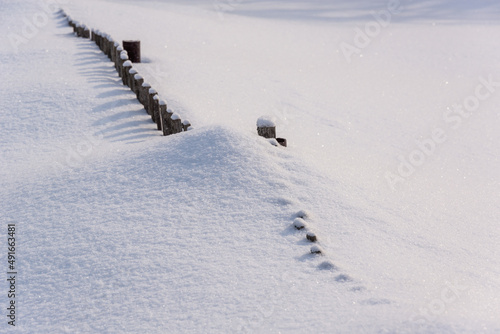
column 134, row 50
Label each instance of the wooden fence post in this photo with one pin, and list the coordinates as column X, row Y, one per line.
column 99, row 38
column 101, row 41
column 77, row 29
column 156, row 111
column 119, row 50
column 266, row 128
column 113, row 52
column 86, row 32
column 134, row 50
column 185, row 125
column 96, row 37
column 127, row 65
column 167, row 122
column 138, row 81
column 151, row 102
column 122, row 60
column 281, row 141
column 155, row 107
column 105, row 44
column 161, row 115
column 132, row 72
column 144, row 94
column 111, row 44
column 176, row 124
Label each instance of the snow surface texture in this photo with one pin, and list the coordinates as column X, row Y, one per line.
column 123, row 230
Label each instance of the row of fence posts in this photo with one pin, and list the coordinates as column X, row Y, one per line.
column 166, row 121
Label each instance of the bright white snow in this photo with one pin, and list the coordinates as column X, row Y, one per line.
column 392, row 160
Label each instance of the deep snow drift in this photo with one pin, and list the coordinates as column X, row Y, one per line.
column 393, row 164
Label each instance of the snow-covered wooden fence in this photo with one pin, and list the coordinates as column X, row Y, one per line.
column 267, row 129
column 166, row 120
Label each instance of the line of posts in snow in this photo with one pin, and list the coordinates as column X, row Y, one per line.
column 165, row 119
column 123, row 57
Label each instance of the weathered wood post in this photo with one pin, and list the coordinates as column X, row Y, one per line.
column 111, row 44
column 127, row 65
column 119, row 50
column 266, row 127
column 113, row 52
column 96, row 37
column 99, row 39
column 144, row 94
column 78, row 29
column 151, row 102
column 281, row 141
column 81, row 30
column 156, row 111
column 176, row 124
column 161, row 115
column 167, row 121
column 132, row 72
column 105, row 44
column 299, row 223
column 86, row 32
column 123, row 59
column 134, row 50
column 316, row 250
column 311, row 237
column 138, row 81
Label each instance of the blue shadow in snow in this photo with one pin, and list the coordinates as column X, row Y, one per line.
column 444, row 11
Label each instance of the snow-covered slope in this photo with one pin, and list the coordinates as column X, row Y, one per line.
column 123, row 230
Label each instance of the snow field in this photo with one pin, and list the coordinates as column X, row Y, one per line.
column 123, row 230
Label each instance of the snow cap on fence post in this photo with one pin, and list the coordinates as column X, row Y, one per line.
column 138, row 81
column 156, row 111
column 77, row 28
column 127, row 65
column 110, row 47
column 105, row 44
column 86, row 32
column 121, row 61
column 144, row 94
column 266, row 127
column 113, row 51
column 119, row 50
column 168, row 120
column 162, row 113
column 132, row 72
column 151, row 103
column 176, row 123
column 186, row 125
